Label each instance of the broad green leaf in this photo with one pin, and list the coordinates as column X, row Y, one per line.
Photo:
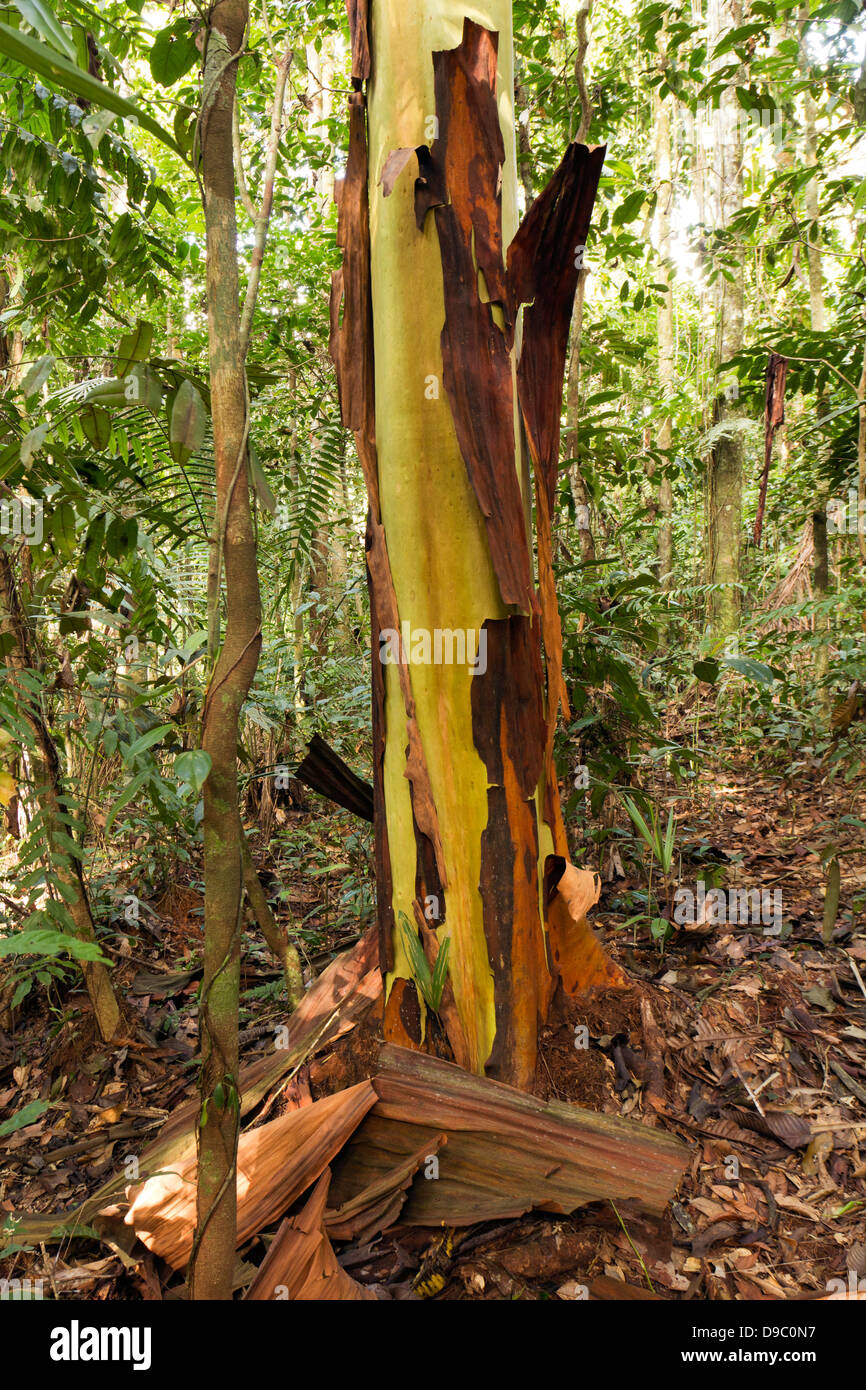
column 36, row 376
column 32, row 443
column 44, row 21
column 146, row 741
column 173, row 53
column 752, row 670
column 27, row 1115
column 96, row 423
column 43, row 61
column 45, row 941
column 95, row 124
column 707, row 671
column 134, row 347
column 193, row 767
column 188, row 423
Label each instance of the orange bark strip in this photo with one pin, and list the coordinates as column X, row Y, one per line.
column 359, row 29
column 578, row 955
column 402, row 1020
column 463, row 183
column 276, row 1163
column 301, row 1265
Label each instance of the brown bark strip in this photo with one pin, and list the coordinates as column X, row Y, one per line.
column 359, row 29
column 301, row 1260
column 508, row 732
column 543, row 272
column 463, row 184
column 351, row 344
column 543, row 275
column 774, row 416
column 324, row 771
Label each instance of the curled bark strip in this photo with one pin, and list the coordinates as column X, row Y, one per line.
column 774, row 416
column 463, row 183
column 393, row 168
column 579, row 957
column 508, row 732
column 544, row 262
column 359, row 29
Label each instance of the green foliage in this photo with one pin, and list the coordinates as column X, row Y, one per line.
column 430, row 983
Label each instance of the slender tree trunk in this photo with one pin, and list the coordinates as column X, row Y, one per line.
column 212, row 1262
column 665, row 326
column 725, row 492
column 818, row 320
column 470, row 841
column 52, row 799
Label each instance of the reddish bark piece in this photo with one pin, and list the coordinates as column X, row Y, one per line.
column 349, row 343
column 359, row 30
column 774, row 416
column 388, row 619
column 275, row 1164
column 543, row 269
column 464, row 186
column 507, row 1153
column 325, row 772
column 301, row 1265
column 389, row 1173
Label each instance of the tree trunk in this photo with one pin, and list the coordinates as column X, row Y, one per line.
column 818, row 321
column 212, row 1262
column 52, row 800
column 725, row 492
column 470, row 841
column 665, row 326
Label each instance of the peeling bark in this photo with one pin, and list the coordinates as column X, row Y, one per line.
column 448, row 539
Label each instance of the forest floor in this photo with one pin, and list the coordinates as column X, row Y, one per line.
column 748, row 1046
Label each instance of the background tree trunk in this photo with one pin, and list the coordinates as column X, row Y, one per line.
column 725, row 492
column 212, row 1263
